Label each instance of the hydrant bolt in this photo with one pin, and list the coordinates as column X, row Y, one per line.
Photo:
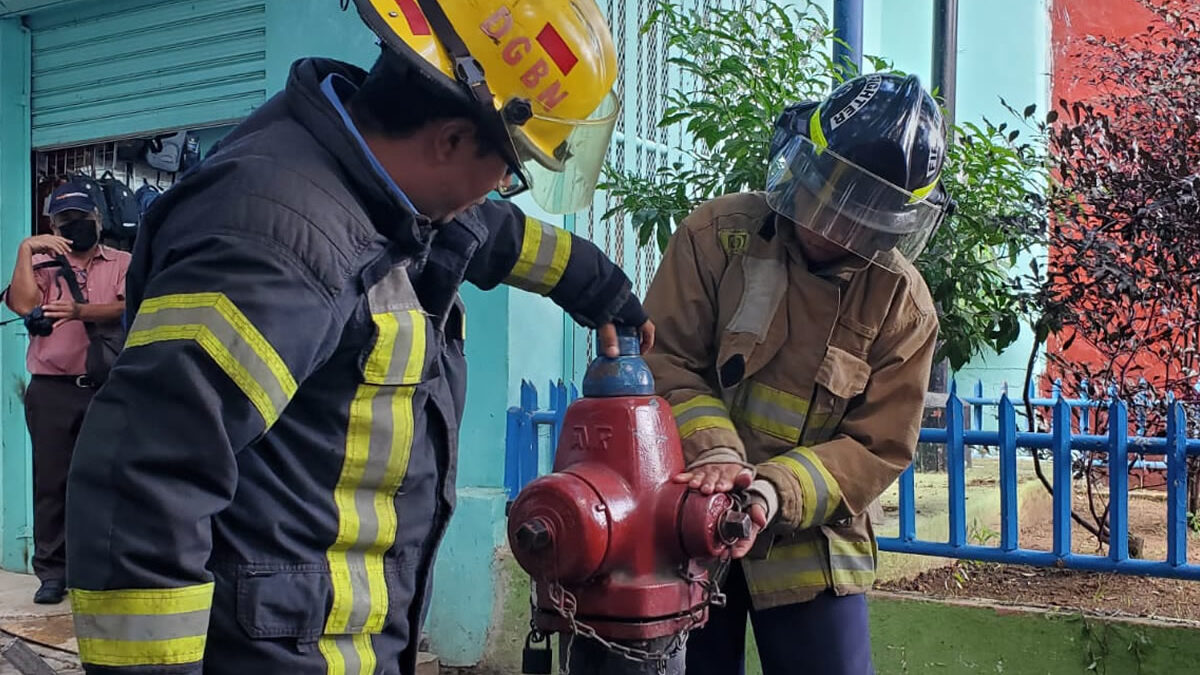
column 533, row 535
column 735, row 525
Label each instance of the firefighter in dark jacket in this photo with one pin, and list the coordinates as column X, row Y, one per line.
column 264, row 479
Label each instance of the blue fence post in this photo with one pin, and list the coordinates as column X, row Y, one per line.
column 908, row 506
column 956, row 468
column 1008, row 475
column 512, row 451
column 1060, row 448
column 1085, row 412
column 1118, row 481
column 977, row 407
column 1176, row 484
column 559, row 407
column 529, row 439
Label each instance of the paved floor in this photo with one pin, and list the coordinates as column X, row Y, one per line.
column 45, row 628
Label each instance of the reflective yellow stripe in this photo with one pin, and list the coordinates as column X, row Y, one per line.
column 815, row 133
column 852, row 562
column 397, row 334
column 545, row 250
column 213, row 322
column 814, row 564
column 772, row 411
column 800, row 565
column 151, row 653
column 922, row 193
column 378, row 447
column 821, row 492
column 701, row 412
column 348, row 654
column 142, row 627
column 380, row 360
column 143, row 600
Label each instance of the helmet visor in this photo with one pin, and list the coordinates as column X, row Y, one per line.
column 848, row 205
column 563, row 181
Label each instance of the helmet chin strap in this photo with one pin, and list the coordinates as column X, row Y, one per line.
column 470, row 75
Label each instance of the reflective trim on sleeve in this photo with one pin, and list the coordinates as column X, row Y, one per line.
column 213, row 322
column 545, row 250
column 822, row 495
column 699, row 413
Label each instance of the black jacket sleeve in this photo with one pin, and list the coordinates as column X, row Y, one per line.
column 228, row 325
column 535, row 256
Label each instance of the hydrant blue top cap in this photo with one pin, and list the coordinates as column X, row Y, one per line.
column 626, row 375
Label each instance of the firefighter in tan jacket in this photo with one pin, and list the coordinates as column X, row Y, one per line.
column 794, row 345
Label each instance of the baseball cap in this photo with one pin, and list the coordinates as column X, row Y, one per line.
column 70, row 196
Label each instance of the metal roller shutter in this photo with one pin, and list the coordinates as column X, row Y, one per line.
column 133, row 67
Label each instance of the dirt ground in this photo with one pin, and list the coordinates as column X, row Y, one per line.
column 1098, row 592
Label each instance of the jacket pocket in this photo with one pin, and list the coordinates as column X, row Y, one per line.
column 404, row 341
column 282, row 600
column 840, row 377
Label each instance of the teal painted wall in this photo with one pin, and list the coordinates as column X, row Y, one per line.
column 1003, row 52
column 299, row 29
column 510, row 335
column 16, row 186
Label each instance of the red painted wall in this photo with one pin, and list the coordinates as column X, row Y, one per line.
column 1072, row 21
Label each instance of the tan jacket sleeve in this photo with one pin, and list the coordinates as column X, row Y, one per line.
column 876, row 439
column 682, row 303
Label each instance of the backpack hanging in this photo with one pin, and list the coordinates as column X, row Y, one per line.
column 145, row 196
column 123, row 211
column 166, row 151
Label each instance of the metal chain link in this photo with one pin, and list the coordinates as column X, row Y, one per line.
column 565, row 605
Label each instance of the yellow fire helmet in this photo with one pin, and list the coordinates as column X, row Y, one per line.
column 542, row 72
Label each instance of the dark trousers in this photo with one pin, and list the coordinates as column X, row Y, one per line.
column 825, row 636
column 54, row 409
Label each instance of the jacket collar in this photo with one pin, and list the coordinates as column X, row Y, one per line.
column 389, row 213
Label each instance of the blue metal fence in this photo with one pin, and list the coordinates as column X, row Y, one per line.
column 523, row 457
column 1071, row 436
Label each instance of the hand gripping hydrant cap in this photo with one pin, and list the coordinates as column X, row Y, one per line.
column 608, row 539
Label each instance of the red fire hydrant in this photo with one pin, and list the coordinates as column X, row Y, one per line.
column 615, row 549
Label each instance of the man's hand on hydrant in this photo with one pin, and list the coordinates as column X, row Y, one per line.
column 608, row 338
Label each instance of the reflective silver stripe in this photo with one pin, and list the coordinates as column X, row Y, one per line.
column 374, row 481
column 545, row 250
column 772, row 410
column 854, row 563
column 400, row 330
column 798, row 565
column 698, row 412
column 393, row 293
column 757, row 409
column 348, row 654
column 766, row 283
column 378, row 446
column 141, row 627
column 818, row 480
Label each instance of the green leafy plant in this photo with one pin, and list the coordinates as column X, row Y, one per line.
column 740, row 67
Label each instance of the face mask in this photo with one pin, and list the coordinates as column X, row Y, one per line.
column 81, row 232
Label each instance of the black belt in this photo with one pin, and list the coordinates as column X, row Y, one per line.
column 81, row 381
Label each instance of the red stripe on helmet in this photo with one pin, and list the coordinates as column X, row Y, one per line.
column 416, row 19
column 557, row 49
